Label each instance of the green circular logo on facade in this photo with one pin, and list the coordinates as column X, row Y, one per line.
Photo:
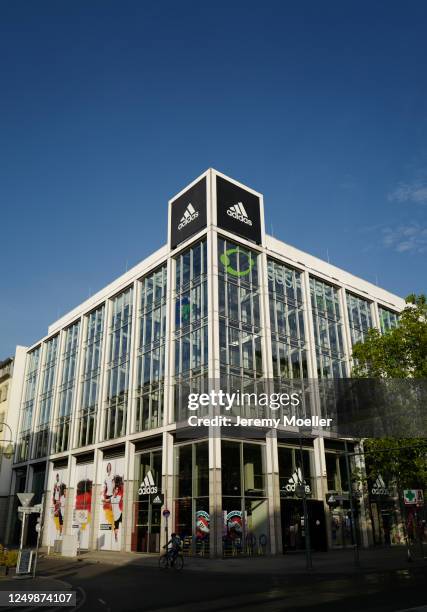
column 225, row 260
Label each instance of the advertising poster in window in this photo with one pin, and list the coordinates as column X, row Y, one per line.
column 82, row 508
column 111, row 515
column 57, row 506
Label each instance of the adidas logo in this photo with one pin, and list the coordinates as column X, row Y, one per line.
column 147, row 485
column 294, row 480
column 190, row 214
column 379, row 487
column 238, row 212
column 157, row 500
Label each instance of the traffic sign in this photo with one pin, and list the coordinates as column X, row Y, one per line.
column 25, row 560
column 157, row 499
column 25, row 509
column 25, row 498
column 166, row 513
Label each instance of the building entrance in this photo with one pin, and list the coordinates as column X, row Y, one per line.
column 293, row 528
column 146, row 516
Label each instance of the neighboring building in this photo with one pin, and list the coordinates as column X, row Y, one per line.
column 221, row 301
column 11, row 373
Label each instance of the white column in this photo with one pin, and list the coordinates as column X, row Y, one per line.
column 129, row 496
column 130, row 410
column 55, row 398
column 364, row 519
column 215, row 481
column 375, row 315
column 346, row 329
column 168, row 410
column 167, row 486
column 271, row 453
column 104, row 372
column 75, row 409
column 36, row 405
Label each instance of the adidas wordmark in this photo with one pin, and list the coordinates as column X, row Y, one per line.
column 147, row 485
column 238, row 211
column 190, row 214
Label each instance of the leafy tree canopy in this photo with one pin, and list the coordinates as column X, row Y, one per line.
column 398, row 353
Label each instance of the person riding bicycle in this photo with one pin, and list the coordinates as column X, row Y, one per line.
column 175, row 545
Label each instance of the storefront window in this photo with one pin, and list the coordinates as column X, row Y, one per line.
column 146, row 516
column 191, row 492
column 339, row 512
column 244, row 503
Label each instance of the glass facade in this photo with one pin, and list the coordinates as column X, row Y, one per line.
column 241, row 364
column 191, row 496
column 338, row 515
column 328, row 334
column 118, row 366
column 388, row 319
column 146, row 516
column 295, row 468
column 60, row 441
column 288, row 341
column 41, row 448
column 151, row 351
column 244, row 503
column 191, row 325
column 118, row 385
column 359, row 317
column 31, row 377
column 89, row 399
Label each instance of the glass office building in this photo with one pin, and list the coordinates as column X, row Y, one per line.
column 104, row 393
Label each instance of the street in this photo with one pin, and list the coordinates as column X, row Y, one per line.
column 203, row 586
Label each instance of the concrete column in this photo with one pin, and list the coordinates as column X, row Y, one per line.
column 273, row 493
column 365, row 522
column 55, row 397
column 321, row 481
column 102, row 382
column 129, row 497
column 375, row 315
column 346, row 329
column 215, row 480
column 167, row 486
column 96, row 497
column 130, row 410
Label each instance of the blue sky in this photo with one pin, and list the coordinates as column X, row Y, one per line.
column 109, row 108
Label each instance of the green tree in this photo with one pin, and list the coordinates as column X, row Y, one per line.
column 398, row 353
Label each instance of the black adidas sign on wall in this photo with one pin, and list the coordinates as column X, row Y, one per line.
column 238, row 210
column 188, row 214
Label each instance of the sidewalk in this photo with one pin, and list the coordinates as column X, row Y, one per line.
column 333, row 562
column 39, row 583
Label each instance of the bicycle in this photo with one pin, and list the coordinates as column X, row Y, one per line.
column 169, row 559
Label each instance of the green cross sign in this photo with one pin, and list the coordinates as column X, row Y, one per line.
column 409, row 495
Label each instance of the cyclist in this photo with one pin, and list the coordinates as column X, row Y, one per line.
column 175, row 546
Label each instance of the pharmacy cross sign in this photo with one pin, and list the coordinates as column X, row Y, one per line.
column 409, row 496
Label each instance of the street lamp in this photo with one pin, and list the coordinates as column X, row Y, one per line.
column 8, row 451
